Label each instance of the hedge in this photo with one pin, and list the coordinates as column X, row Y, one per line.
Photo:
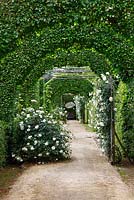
column 125, row 115
column 3, row 143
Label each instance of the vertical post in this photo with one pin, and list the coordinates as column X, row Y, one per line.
column 112, row 123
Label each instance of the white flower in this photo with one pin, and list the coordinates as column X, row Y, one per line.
column 107, row 73
column 41, row 116
column 29, row 126
column 28, row 129
column 30, row 136
column 40, row 154
column 22, row 113
column 13, row 155
column 28, row 144
column 33, row 101
column 35, row 142
column 41, row 108
column 49, row 122
column 115, row 109
column 38, row 111
column 32, row 148
column 110, row 99
column 36, row 127
column 53, row 147
column 28, row 115
column 19, row 159
column 104, row 78
column 41, row 112
column 57, row 142
column 54, row 139
column 44, row 120
column 61, row 133
column 101, row 124
column 24, row 149
column 22, row 127
column 47, row 153
column 54, row 122
column 46, row 143
column 61, row 151
column 39, row 135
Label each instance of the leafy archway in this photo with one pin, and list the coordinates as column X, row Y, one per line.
column 57, row 87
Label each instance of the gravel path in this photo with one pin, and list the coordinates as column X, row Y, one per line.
column 88, row 176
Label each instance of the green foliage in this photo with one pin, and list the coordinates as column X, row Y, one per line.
column 36, row 35
column 3, row 143
column 36, row 29
column 39, row 137
column 100, row 112
column 125, row 115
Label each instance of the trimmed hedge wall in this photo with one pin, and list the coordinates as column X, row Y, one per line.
column 125, row 115
column 3, row 143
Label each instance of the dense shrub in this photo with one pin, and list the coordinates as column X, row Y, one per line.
column 3, row 143
column 39, row 138
column 59, row 114
column 125, row 115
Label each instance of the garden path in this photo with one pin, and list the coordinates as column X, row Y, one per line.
column 88, row 176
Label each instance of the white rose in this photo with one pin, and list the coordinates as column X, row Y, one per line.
column 101, row 124
column 32, row 148
column 30, row 136
column 24, row 149
column 35, row 142
column 43, row 120
column 28, row 115
column 54, row 139
column 110, row 99
column 33, row 101
column 104, row 78
column 53, row 147
column 107, row 73
column 36, row 127
column 46, row 143
column 22, row 127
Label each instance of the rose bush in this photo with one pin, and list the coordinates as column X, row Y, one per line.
column 39, row 137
